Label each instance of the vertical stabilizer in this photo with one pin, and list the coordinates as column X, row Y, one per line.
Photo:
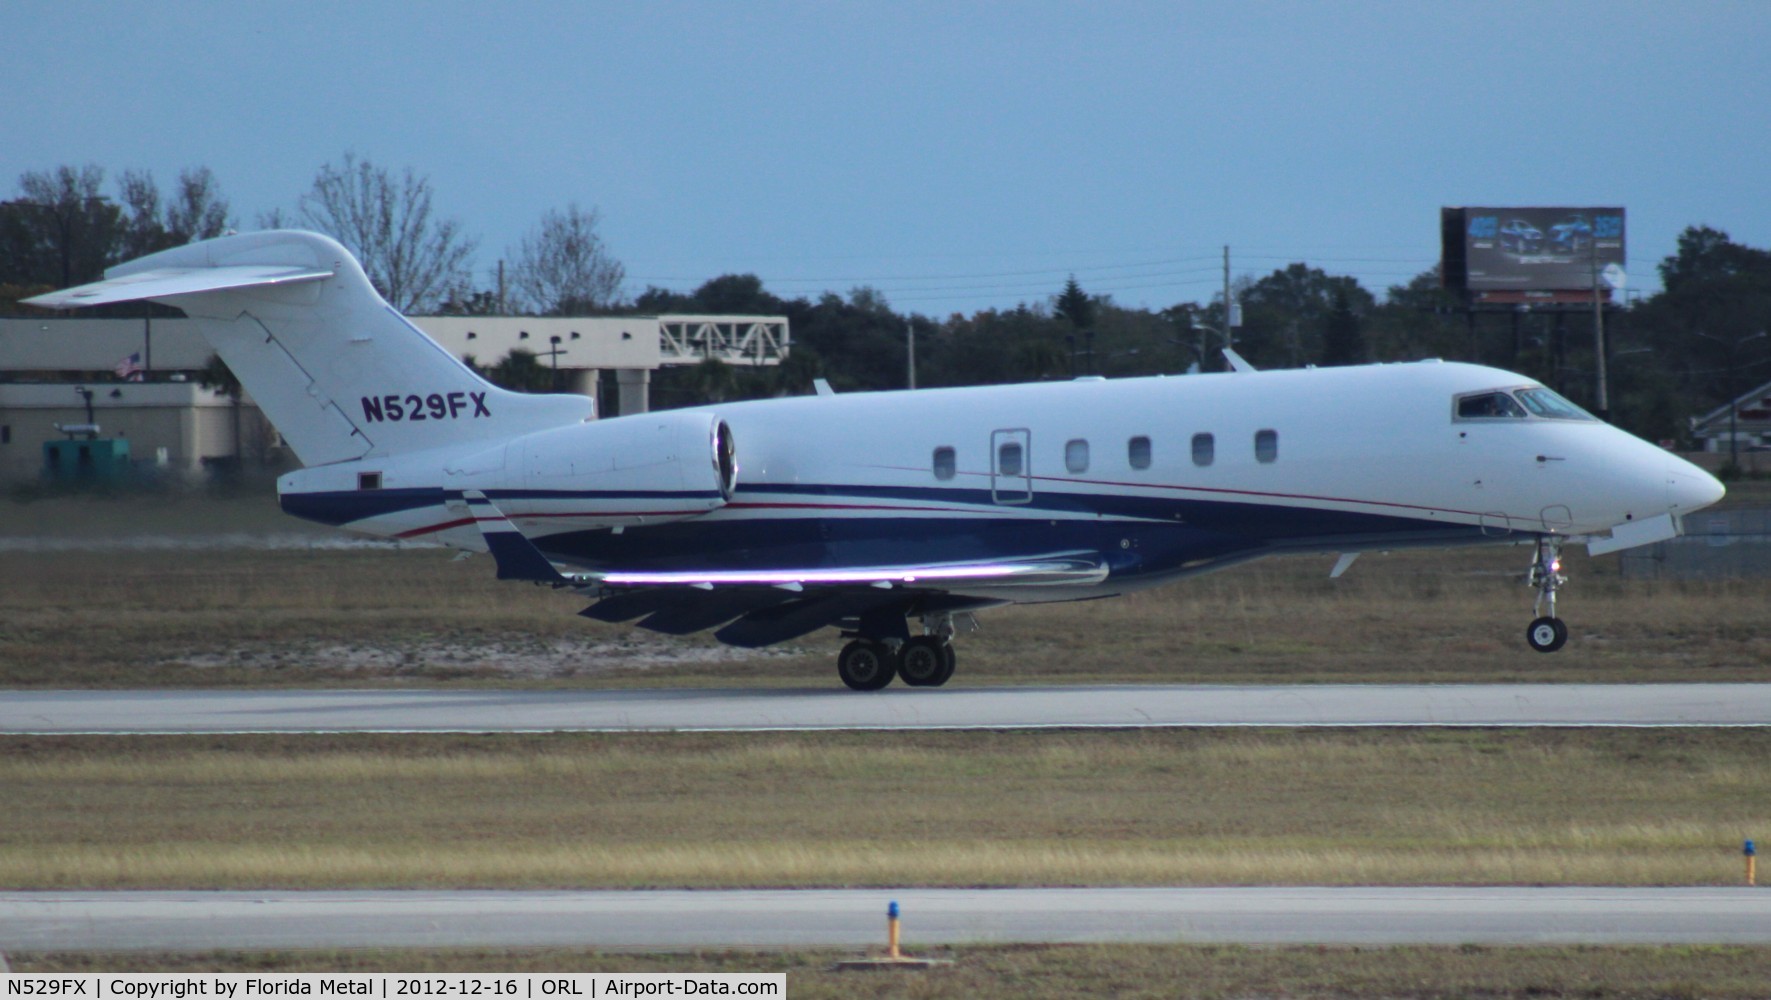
column 334, row 367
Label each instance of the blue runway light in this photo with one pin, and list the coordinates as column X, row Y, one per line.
column 1748, row 851
column 892, row 910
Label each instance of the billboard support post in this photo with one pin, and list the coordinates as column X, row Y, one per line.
column 1603, row 393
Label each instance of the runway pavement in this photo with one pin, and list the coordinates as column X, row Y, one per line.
column 484, row 710
column 855, row 918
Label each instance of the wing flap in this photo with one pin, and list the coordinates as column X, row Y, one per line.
column 801, row 616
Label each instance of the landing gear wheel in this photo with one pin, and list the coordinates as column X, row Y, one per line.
column 865, row 665
column 1547, row 635
column 926, row 661
column 952, row 659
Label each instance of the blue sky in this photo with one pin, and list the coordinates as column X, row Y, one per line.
column 957, row 156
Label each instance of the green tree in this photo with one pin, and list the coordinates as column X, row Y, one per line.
column 1704, row 329
column 1074, row 305
column 60, row 231
column 1418, row 320
column 1285, row 312
column 521, row 371
column 1343, row 342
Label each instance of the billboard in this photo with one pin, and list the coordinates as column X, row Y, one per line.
column 1532, row 249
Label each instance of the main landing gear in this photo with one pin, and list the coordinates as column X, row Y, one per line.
column 1546, row 633
column 921, row 661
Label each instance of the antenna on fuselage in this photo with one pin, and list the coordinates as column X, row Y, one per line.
column 1237, row 362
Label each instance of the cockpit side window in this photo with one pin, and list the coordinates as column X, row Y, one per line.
column 1495, row 405
column 1545, row 403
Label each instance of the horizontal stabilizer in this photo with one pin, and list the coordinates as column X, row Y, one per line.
column 163, row 283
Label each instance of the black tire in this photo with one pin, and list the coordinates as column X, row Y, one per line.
column 865, row 665
column 951, row 659
column 925, row 661
column 1546, row 635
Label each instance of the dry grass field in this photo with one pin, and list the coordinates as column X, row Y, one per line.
column 1062, row 972
column 210, row 592
column 176, row 591
column 1159, row 807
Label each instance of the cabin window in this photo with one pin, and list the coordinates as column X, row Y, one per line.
column 1204, row 449
column 1137, row 452
column 1489, row 406
column 368, row 480
column 1076, row 455
column 944, row 462
column 1266, row 446
column 1009, row 459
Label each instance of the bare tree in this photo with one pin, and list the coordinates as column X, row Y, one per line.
column 142, row 232
column 562, row 266
column 412, row 257
column 199, row 212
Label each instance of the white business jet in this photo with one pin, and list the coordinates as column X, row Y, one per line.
column 771, row 519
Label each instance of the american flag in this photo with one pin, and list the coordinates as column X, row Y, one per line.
column 130, row 369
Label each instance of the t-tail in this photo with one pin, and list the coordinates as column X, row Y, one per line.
column 336, row 369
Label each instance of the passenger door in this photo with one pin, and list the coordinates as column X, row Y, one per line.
column 1011, row 460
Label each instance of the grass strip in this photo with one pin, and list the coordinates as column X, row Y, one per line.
column 1160, row 807
column 94, row 619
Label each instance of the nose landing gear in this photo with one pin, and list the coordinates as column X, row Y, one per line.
column 1546, row 633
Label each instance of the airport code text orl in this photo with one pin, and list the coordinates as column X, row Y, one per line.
column 518, row 986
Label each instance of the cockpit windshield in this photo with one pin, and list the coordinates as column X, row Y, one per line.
column 1544, row 403
column 1488, row 406
column 1517, row 404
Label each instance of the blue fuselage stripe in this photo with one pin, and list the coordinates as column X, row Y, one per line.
column 1134, row 535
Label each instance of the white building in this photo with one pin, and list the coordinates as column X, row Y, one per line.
column 1741, row 425
column 173, row 422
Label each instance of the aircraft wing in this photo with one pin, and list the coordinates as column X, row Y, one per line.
column 764, row 607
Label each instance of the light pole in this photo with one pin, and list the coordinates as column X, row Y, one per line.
column 554, row 351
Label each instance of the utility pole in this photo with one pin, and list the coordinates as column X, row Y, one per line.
column 910, row 355
column 1229, row 330
column 501, row 310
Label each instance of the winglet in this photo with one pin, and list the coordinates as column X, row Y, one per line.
column 1237, row 362
column 517, row 557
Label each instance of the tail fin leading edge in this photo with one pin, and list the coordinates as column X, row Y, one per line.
column 334, row 367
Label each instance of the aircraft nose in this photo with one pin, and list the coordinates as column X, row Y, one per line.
column 1690, row 488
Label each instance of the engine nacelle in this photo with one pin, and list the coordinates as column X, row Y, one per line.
column 643, row 469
